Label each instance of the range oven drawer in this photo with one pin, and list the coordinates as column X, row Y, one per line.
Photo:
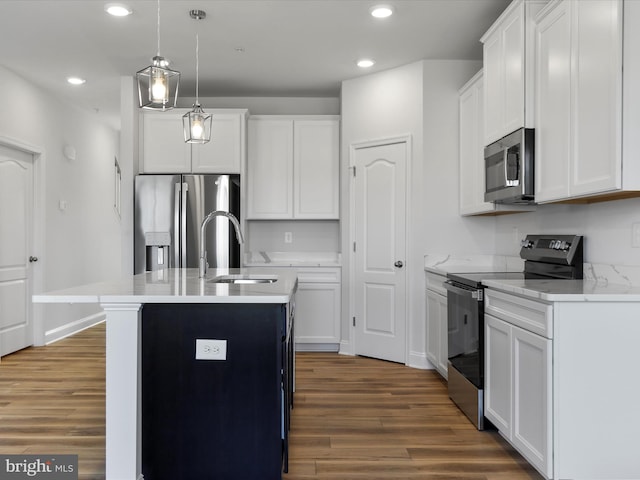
column 535, row 317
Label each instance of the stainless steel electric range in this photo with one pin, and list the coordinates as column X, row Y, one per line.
column 546, row 256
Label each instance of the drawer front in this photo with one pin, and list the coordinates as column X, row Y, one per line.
column 318, row 275
column 535, row 317
column 434, row 283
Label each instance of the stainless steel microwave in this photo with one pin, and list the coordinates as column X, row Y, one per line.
column 508, row 166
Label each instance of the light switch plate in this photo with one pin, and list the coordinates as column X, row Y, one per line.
column 207, row 349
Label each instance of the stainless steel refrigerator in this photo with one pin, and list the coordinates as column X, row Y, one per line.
column 168, row 212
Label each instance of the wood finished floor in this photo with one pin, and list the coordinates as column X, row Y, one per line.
column 354, row 417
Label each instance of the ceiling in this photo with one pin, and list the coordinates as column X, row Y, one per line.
column 247, row 47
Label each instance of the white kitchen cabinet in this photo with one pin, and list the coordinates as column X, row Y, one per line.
column 437, row 331
column 532, row 378
column 293, row 167
column 318, row 309
column 553, row 104
column 579, row 99
column 471, row 141
column 163, row 149
column 497, row 375
column 471, row 150
column 518, row 376
column 507, row 66
column 547, row 388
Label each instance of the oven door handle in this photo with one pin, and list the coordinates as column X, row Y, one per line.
column 475, row 294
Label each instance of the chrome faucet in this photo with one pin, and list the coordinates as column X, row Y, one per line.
column 202, row 264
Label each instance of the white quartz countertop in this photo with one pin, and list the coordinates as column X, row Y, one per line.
column 443, row 264
column 567, row 290
column 180, row 286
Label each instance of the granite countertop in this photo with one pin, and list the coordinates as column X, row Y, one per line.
column 567, row 290
column 180, row 286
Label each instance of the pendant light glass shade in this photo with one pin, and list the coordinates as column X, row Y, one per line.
column 158, row 84
column 196, row 124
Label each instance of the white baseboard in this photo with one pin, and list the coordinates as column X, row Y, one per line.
column 317, row 347
column 68, row 329
column 419, row 360
column 346, row 348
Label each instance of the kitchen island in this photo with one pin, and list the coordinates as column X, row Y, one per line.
column 229, row 399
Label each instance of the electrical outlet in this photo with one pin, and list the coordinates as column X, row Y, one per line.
column 635, row 235
column 288, row 237
column 211, row 349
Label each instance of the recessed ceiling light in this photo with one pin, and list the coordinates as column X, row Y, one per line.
column 76, row 80
column 117, row 9
column 381, row 11
column 365, row 63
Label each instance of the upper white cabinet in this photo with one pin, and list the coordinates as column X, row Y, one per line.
column 293, row 167
column 508, row 72
column 163, row 149
column 582, row 97
column 471, row 151
column 472, row 183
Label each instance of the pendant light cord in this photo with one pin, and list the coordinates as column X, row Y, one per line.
column 158, row 32
column 197, row 66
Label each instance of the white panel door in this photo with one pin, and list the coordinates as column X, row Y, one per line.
column 380, row 235
column 16, row 193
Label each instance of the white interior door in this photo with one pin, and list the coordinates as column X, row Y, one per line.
column 380, row 248
column 16, row 210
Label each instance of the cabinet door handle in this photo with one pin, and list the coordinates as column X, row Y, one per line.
column 399, row 264
column 33, row 259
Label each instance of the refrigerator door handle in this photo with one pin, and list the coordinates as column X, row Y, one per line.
column 183, row 226
column 176, row 225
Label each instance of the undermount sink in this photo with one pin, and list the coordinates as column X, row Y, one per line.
column 244, row 279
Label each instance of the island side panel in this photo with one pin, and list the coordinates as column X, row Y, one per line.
column 123, row 363
column 212, row 418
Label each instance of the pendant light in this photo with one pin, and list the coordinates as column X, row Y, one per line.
column 158, row 84
column 196, row 124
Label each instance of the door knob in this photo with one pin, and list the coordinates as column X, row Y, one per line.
column 33, row 259
column 398, row 264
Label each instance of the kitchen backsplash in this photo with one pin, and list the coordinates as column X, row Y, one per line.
column 594, row 272
column 293, row 236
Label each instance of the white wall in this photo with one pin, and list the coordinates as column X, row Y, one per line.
column 81, row 244
column 421, row 100
column 445, row 231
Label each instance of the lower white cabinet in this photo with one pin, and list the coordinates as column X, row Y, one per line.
column 437, row 332
column 318, row 309
column 518, row 389
column 550, row 389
